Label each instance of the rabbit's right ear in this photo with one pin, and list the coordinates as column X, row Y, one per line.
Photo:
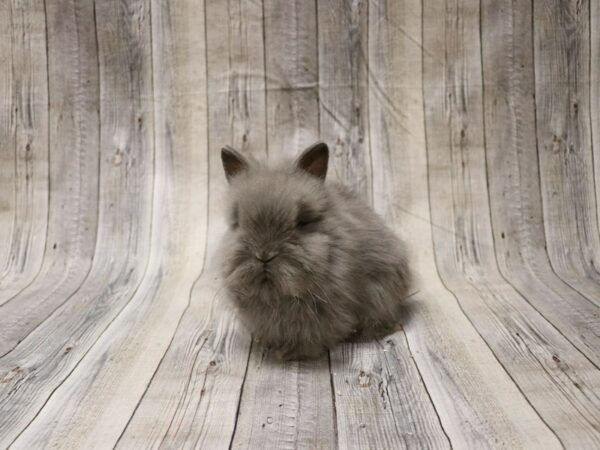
column 233, row 162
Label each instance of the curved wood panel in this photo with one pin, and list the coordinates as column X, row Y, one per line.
column 24, row 156
column 471, row 126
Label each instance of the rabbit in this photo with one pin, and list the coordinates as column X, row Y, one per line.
column 306, row 262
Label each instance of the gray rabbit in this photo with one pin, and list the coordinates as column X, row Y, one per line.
column 306, row 263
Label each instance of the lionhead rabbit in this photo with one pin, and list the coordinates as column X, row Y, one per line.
column 306, row 263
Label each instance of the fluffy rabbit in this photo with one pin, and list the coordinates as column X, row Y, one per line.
column 307, row 263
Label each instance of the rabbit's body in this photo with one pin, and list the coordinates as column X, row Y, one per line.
column 306, row 262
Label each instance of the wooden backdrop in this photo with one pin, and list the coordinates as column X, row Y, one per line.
column 473, row 128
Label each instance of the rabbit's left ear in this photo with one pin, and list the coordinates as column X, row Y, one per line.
column 314, row 160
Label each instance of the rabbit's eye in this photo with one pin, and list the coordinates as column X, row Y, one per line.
column 306, row 218
column 304, row 222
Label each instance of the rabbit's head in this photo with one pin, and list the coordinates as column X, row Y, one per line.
column 280, row 226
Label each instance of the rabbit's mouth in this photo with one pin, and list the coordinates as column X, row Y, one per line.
column 282, row 278
column 281, row 275
column 265, row 272
column 265, row 276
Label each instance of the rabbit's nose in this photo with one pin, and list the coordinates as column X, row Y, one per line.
column 264, row 256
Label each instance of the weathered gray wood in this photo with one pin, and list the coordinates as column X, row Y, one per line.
column 288, row 405
column 119, row 335
column 380, row 399
column 126, row 177
column 291, row 65
column 533, row 352
column 343, row 94
column 8, row 143
column 159, row 301
column 7, row 149
column 513, row 177
column 562, row 63
column 594, row 80
column 24, row 145
column 478, row 404
column 73, row 140
column 74, row 147
column 285, row 405
column 115, row 386
column 194, row 395
column 192, row 399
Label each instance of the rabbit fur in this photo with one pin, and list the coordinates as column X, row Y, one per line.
column 306, row 262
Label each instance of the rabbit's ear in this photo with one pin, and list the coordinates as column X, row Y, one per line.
column 314, row 160
column 234, row 162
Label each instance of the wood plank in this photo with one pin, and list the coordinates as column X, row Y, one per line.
column 120, row 335
column 8, row 151
column 562, row 62
column 73, row 138
column 24, row 137
column 513, row 176
column 125, row 184
column 111, row 380
column 192, row 399
column 288, row 404
column 194, row 395
column 380, row 399
column 478, row 404
column 343, row 94
column 285, row 404
column 595, row 95
column 558, row 381
column 291, row 66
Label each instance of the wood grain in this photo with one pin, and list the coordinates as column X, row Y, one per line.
column 513, row 178
column 157, row 303
column 470, row 126
column 373, row 382
column 201, row 376
column 595, row 95
column 380, row 398
column 291, row 74
column 532, row 352
column 562, row 81
column 123, row 220
column 24, row 155
column 74, row 140
column 7, row 155
column 287, row 405
column 477, row 403
column 343, row 90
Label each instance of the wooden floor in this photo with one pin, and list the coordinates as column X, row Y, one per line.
column 473, row 127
